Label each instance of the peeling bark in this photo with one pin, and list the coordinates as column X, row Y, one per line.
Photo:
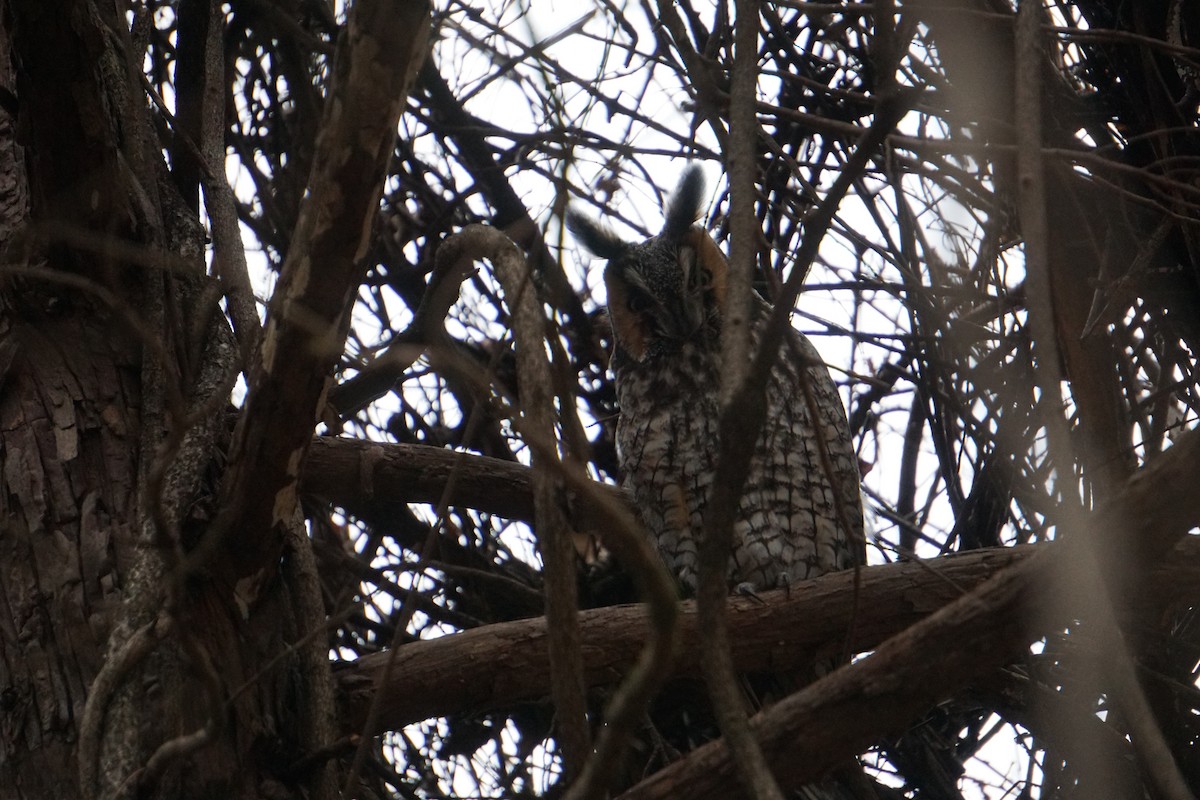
column 122, row 674
column 69, row 408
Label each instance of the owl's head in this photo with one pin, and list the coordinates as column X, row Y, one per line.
column 667, row 290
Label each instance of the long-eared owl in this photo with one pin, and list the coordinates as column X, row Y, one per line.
column 665, row 301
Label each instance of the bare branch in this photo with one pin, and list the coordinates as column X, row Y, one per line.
column 836, row 717
column 505, row 663
column 551, row 526
column 306, row 325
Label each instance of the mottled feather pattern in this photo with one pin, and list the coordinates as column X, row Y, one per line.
column 796, row 519
column 787, row 523
column 666, row 295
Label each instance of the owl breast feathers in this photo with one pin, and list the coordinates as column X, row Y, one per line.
column 665, row 301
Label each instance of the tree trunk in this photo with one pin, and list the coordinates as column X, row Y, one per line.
column 111, row 644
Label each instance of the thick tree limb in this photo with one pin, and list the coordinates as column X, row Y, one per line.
column 368, row 479
column 807, row 733
column 503, row 664
column 377, row 58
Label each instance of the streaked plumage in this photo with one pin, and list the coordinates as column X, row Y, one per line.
column 665, row 301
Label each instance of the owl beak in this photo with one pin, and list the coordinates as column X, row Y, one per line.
column 691, row 315
column 675, row 321
column 684, row 321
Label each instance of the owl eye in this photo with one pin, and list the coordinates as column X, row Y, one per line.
column 700, row 279
column 637, row 302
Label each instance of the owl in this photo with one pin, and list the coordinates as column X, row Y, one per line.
column 666, row 299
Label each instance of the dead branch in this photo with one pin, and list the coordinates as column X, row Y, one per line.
column 551, row 525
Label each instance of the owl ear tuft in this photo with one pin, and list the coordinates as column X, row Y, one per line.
column 683, row 209
column 595, row 237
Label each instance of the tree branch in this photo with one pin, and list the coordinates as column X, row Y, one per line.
column 807, row 733
column 504, row 664
column 377, row 57
column 717, row 544
column 551, row 526
column 369, row 479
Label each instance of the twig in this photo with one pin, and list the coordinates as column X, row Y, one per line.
column 551, row 526
column 840, row 714
column 229, row 253
column 716, row 544
column 108, row 680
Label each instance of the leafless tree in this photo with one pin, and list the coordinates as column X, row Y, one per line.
column 307, row 478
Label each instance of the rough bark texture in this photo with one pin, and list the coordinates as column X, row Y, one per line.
column 69, row 405
column 114, row 374
column 505, row 663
